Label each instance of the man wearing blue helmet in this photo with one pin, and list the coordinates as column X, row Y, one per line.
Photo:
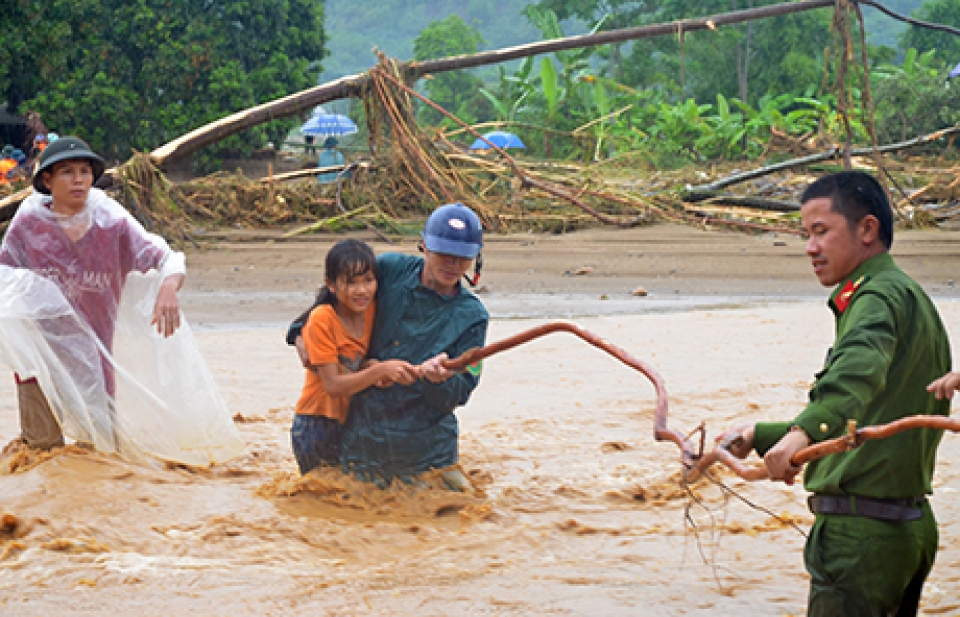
column 424, row 315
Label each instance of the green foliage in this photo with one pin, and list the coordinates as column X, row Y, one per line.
column 455, row 91
column 511, row 91
column 913, row 101
column 136, row 74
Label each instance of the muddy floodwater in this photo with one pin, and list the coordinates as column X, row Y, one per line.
column 579, row 511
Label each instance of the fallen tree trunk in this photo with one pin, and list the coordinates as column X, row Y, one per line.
column 351, row 86
column 746, row 201
column 196, row 139
column 822, row 156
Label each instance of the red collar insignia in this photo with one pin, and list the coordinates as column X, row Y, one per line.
column 842, row 301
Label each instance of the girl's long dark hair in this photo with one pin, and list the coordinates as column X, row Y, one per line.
column 347, row 258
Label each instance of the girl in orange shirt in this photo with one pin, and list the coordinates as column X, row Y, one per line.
column 336, row 337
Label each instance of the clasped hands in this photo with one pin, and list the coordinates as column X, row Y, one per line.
column 393, row 371
column 404, row 373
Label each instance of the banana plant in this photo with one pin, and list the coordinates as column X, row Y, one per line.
column 553, row 94
column 676, row 128
column 725, row 132
column 573, row 62
column 829, row 119
column 914, row 65
column 512, row 90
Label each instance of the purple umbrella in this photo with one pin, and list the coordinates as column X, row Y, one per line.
column 955, row 72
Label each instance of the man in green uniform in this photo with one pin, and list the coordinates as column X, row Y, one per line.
column 874, row 538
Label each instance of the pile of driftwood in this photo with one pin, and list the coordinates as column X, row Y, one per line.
column 409, row 172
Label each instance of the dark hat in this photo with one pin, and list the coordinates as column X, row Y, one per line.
column 64, row 149
column 453, row 229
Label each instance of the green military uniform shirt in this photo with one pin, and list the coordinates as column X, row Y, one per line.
column 889, row 345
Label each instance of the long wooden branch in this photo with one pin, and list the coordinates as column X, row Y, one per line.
column 302, row 173
column 351, row 86
column 711, row 22
column 746, row 201
column 833, row 152
column 291, row 105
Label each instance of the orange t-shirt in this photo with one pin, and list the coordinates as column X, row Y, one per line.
column 328, row 342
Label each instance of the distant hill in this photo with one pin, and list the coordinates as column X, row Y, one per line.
column 354, row 28
column 884, row 30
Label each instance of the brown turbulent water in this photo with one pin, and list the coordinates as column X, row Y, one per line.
column 578, row 511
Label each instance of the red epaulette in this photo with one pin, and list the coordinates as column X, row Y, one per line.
column 843, row 298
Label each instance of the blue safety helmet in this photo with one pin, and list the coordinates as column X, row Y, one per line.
column 453, row 229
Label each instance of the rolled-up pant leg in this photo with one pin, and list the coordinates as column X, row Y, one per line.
column 38, row 426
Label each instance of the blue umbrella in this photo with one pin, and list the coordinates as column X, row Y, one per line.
column 500, row 139
column 955, row 72
column 329, row 124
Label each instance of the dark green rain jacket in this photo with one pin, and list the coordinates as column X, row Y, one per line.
column 405, row 430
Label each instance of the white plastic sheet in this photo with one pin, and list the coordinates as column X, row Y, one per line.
column 135, row 393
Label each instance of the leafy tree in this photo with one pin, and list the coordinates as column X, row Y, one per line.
column 392, row 25
column 913, row 98
column 136, row 74
column 455, row 91
column 746, row 61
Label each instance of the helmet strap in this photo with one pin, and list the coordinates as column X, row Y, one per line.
column 477, row 267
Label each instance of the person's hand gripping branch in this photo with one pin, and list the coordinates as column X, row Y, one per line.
column 433, row 370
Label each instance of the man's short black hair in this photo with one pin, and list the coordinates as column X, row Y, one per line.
column 855, row 194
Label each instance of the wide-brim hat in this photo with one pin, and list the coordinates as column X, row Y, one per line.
column 64, row 149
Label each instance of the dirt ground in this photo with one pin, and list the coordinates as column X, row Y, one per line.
column 580, row 511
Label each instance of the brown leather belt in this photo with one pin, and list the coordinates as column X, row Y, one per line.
column 910, row 509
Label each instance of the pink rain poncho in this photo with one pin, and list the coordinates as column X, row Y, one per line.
column 76, row 300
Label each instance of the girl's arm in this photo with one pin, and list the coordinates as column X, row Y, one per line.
column 345, row 384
